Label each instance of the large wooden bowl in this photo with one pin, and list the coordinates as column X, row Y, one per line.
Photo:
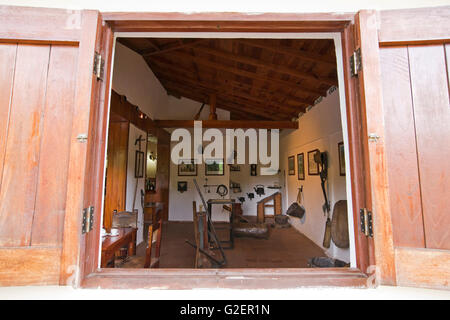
column 339, row 225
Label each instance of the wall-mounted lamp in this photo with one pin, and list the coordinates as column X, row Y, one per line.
column 151, row 156
column 141, row 115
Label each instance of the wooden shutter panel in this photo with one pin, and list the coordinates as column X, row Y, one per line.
column 408, row 95
column 45, row 102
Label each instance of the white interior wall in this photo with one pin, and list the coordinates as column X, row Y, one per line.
column 134, row 134
column 180, row 208
column 180, row 203
column 248, row 183
column 320, row 128
column 133, row 78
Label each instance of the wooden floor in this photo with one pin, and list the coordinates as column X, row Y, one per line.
column 285, row 248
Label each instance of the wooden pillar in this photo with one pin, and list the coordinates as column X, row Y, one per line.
column 277, row 204
column 212, row 105
column 260, row 212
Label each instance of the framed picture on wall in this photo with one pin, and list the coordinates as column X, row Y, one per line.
column 182, row 186
column 341, row 158
column 235, row 167
column 187, row 167
column 214, row 167
column 291, row 165
column 313, row 167
column 139, row 162
column 301, row 166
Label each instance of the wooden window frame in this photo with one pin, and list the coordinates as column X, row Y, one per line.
column 92, row 277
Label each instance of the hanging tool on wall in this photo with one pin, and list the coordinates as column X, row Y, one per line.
column 321, row 158
column 297, row 209
column 197, row 115
column 137, row 141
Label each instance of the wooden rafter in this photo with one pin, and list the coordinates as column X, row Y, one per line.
column 223, row 87
column 244, row 73
column 300, row 54
column 222, row 102
column 266, row 65
column 231, row 91
column 249, row 104
column 230, row 124
column 173, row 48
column 254, row 79
column 153, row 45
column 175, row 70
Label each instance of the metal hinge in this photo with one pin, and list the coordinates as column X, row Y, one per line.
column 366, row 222
column 88, row 220
column 99, row 66
column 82, row 137
column 355, row 63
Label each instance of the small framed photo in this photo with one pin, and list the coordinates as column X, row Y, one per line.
column 291, row 165
column 235, row 167
column 187, row 167
column 313, row 166
column 139, row 162
column 301, row 166
column 341, row 158
column 182, row 186
column 214, row 167
column 253, row 170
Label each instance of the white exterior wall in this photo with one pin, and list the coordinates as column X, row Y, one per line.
column 229, row 6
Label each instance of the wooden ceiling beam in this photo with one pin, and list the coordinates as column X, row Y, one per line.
column 153, row 44
column 271, row 113
column 248, row 74
column 266, row 65
column 221, row 103
column 244, row 104
column 228, row 124
column 203, row 98
column 173, row 48
column 126, row 111
column 300, row 54
column 232, row 88
column 126, row 43
column 233, row 92
column 184, row 72
column 237, row 105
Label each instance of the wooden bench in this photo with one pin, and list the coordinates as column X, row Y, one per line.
column 263, row 204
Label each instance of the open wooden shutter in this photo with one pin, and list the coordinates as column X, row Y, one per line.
column 404, row 93
column 47, row 103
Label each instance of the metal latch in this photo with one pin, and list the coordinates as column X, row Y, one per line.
column 82, row 137
column 99, row 66
column 88, row 220
column 366, row 222
column 373, row 137
column 355, row 62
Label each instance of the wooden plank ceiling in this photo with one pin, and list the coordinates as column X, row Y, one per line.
column 254, row 79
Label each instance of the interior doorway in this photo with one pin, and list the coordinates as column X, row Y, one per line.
column 307, row 93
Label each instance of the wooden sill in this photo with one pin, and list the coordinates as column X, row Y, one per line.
column 225, row 278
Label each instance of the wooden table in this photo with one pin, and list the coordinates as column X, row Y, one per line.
column 110, row 244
